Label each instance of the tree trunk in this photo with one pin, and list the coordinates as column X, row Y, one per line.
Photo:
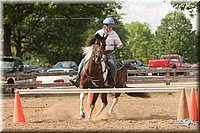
column 7, row 40
column 17, row 37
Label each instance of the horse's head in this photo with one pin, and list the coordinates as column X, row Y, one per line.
column 99, row 47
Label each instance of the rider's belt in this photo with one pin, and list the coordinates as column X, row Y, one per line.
column 108, row 51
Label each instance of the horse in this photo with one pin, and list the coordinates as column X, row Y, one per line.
column 94, row 74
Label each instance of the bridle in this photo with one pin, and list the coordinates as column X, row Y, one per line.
column 97, row 54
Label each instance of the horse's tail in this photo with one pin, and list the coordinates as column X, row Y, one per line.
column 137, row 94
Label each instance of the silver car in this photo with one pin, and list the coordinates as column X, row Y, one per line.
column 66, row 64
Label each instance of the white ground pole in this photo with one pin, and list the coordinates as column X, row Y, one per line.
column 101, row 90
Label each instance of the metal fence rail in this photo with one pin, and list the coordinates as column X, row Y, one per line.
column 104, row 90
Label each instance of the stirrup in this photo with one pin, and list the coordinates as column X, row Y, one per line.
column 112, row 85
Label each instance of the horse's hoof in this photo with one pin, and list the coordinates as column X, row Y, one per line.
column 97, row 114
column 88, row 119
column 111, row 116
column 109, row 112
column 83, row 115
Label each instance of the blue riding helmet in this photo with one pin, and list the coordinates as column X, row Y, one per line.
column 109, row 21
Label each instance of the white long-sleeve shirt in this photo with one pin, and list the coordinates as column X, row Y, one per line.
column 112, row 39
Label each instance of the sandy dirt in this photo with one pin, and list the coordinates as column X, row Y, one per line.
column 61, row 113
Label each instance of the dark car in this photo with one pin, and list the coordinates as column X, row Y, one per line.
column 66, row 64
column 12, row 65
column 134, row 65
column 33, row 68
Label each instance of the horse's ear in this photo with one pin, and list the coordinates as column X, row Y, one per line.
column 98, row 36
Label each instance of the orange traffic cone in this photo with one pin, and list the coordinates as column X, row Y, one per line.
column 183, row 112
column 193, row 106
column 89, row 100
column 18, row 112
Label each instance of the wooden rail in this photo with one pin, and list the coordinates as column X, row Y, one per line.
column 131, row 79
column 164, row 70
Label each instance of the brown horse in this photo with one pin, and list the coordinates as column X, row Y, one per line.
column 95, row 75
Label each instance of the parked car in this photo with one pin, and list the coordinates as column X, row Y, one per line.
column 66, row 64
column 174, row 61
column 169, row 61
column 33, row 68
column 195, row 65
column 55, row 79
column 12, row 65
column 134, row 65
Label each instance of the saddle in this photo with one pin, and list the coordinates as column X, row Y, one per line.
column 108, row 74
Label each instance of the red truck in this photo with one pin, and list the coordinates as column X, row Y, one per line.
column 168, row 61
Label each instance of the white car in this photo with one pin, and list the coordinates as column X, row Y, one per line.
column 55, row 79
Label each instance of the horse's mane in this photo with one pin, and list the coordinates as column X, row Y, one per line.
column 87, row 51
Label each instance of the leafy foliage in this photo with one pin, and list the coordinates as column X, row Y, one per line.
column 53, row 30
column 190, row 6
column 138, row 42
column 175, row 35
column 44, row 33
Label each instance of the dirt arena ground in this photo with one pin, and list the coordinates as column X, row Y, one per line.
column 61, row 113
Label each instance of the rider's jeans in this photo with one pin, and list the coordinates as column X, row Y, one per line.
column 112, row 64
column 80, row 67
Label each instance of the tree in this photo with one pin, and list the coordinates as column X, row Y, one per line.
column 13, row 14
column 57, row 30
column 192, row 7
column 138, row 42
column 175, row 35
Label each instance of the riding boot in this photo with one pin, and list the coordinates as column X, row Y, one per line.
column 111, row 83
column 75, row 81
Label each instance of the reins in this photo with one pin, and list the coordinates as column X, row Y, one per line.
column 94, row 77
column 97, row 58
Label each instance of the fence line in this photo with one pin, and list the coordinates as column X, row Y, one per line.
column 131, row 79
column 150, row 70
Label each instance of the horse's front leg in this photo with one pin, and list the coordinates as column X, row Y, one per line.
column 103, row 104
column 92, row 104
column 82, row 114
column 115, row 100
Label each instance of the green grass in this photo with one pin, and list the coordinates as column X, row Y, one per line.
column 158, row 94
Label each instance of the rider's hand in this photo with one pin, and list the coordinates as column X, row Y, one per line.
column 119, row 46
column 104, row 58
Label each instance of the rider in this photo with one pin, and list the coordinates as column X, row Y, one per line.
column 111, row 41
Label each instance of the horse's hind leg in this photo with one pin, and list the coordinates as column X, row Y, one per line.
column 82, row 114
column 103, row 104
column 94, row 99
column 115, row 100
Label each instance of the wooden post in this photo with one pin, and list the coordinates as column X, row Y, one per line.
column 167, row 78
column 34, row 76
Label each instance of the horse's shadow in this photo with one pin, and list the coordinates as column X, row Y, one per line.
column 151, row 117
